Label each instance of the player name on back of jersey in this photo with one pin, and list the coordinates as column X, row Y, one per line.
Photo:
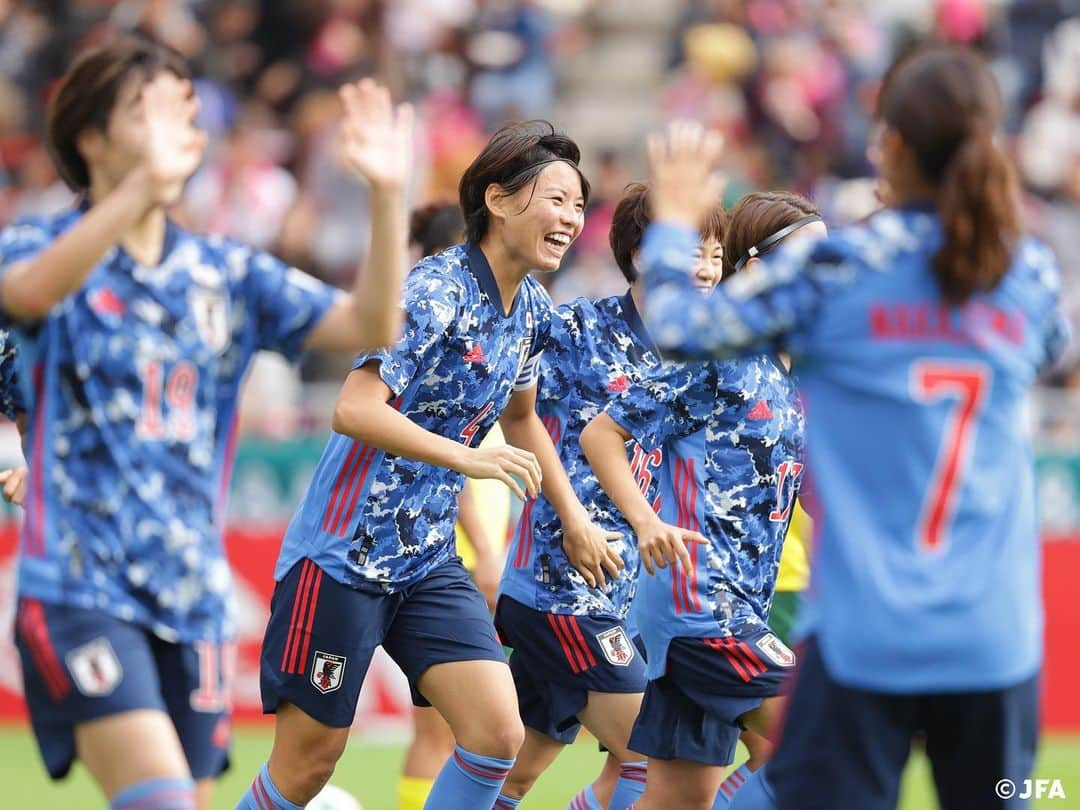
column 972, row 323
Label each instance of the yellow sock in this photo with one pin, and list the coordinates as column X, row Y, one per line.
column 412, row 792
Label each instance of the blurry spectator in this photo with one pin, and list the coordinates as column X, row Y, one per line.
column 241, row 190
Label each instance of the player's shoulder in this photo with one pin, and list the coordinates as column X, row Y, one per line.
column 38, row 227
column 536, row 295
column 1034, row 264
column 880, row 242
column 443, row 277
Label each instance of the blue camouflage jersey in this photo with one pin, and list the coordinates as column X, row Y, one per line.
column 598, row 349
column 12, row 398
column 731, row 435
column 132, row 401
column 926, row 567
column 377, row 521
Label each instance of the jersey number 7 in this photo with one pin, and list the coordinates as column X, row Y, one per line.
column 966, row 383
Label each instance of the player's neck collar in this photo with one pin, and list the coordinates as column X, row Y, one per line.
column 485, row 278
column 637, row 325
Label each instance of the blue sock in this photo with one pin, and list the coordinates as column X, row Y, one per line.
column 505, row 803
column 165, row 793
column 755, row 794
column 264, row 795
column 468, row 781
column 630, row 786
column 586, row 800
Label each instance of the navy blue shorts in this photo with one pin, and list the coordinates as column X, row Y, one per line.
column 558, row 659
column 322, row 635
column 79, row 665
column 844, row 747
column 692, row 712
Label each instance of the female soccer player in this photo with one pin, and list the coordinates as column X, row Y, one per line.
column 731, row 440
column 480, row 534
column 136, row 335
column 574, row 661
column 916, row 336
column 368, row 558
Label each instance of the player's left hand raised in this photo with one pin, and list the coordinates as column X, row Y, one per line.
column 588, row 548
column 376, row 138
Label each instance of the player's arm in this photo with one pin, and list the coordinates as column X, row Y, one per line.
column 586, row 544
column 749, row 312
column 376, row 145
column 486, row 570
column 604, row 442
column 363, row 412
column 30, row 289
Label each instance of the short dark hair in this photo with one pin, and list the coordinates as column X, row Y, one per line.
column 435, row 227
column 633, row 215
column 756, row 217
column 87, row 94
column 513, row 158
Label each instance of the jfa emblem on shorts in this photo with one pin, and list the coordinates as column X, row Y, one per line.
column 777, row 651
column 616, row 646
column 95, row 668
column 326, row 671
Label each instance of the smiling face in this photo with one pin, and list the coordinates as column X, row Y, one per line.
column 538, row 223
column 708, row 267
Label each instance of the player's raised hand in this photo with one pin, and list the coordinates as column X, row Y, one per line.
column 174, row 145
column 14, row 481
column 588, row 548
column 502, row 463
column 684, row 184
column 661, row 543
column 376, row 137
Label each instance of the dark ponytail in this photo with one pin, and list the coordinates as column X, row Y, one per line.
column 946, row 105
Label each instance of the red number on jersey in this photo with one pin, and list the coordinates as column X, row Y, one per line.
column 217, row 668
column 468, row 433
column 967, row 383
column 785, row 497
column 643, row 464
column 178, row 392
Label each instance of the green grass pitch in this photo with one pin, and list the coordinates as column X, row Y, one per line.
column 369, row 771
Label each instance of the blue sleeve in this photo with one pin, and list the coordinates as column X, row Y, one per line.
column 675, row 400
column 1054, row 329
column 21, row 242
column 538, row 325
column 750, row 313
column 559, row 366
column 432, row 299
column 284, row 303
column 11, row 394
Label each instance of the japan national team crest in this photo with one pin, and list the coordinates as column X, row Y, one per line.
column 616, row 646
column 326, row 671
column 777, row 651
column 95, row 668
column 210, row 309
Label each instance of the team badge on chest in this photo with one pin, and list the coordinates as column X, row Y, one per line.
column 326, row 672
column 616, row 645
column 210, row 308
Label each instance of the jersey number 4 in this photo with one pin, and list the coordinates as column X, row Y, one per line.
column 966, row 384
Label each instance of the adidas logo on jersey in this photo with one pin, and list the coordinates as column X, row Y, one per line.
column 618, row 384
column 760, row 411
column 475, row 354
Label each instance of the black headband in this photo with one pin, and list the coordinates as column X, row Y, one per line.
column 769, row 241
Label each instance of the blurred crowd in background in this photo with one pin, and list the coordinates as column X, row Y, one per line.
column 791, row 83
